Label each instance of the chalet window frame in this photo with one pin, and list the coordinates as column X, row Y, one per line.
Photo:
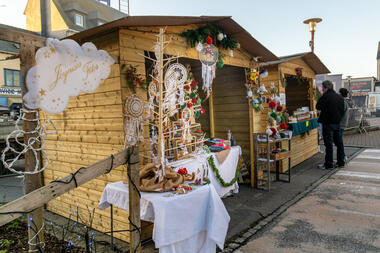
column 81, row 19
column 10, row 81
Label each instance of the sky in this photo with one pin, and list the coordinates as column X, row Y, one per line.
column 346, row 40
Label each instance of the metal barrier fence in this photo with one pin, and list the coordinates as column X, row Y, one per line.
column 360, row 119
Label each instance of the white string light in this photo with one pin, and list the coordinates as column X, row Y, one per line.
column 40, row 131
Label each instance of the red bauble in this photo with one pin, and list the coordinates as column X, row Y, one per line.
column 279, row 108
column 194, row 84
column 203, row 111
column 194, row 100
column 272, row 104
column 209, row 40
column 189, row 105
column 187, row 87
column 274, row 131
column 182, row 171
column 283, row 126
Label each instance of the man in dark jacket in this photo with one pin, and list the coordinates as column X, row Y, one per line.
column 331, row 106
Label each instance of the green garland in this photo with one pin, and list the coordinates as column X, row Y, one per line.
column 220, row 179
column 211, row 30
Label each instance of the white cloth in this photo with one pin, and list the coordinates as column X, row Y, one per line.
column 187, row 223
column 226, row 170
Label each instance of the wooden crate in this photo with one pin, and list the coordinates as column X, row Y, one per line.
column 281, row 155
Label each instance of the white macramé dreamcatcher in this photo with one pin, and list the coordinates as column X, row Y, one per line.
column 175, row 77
column 208, row 57
column 134, row 125
column 36, row 139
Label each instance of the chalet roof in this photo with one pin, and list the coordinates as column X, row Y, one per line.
column 91, row 7
column 250, row 44
column 9, row 47
column 310, row 59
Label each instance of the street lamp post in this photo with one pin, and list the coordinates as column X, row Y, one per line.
column 349, row 86
column 312, row 22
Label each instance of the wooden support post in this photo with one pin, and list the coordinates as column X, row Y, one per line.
column 160, row 144
column 32, row 182
column 211, row 113
column 134, row 201
column 251, row 143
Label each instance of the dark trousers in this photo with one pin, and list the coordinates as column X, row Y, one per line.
column 331, row 134
column 341, row 131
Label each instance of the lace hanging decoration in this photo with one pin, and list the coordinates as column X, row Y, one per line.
column 208, row 57
column 134, row 124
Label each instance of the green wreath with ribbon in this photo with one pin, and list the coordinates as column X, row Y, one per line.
column 219, row 177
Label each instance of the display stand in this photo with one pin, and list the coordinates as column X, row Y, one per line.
column 264, row 158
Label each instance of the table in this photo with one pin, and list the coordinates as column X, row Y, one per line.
column 187, row 223
column 227, row 169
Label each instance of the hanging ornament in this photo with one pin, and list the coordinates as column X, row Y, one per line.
column 231, row 53
column 249, row 92
column 199, row 47
column 199, row 101
column 279, row 108
column 203, row 111
column 134, row 125
column 209, row 40
column 220, row 36
column 194, row 100
column 283, row 126
column 175, row 76
column 261, row 90
column 208, row 57
column 272, row 104
column 274, row 130
column 263, row 73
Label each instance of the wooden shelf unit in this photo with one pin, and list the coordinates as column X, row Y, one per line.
column 263, row 158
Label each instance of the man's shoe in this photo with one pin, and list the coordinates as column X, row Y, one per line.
column 322, row 166
column 339, row 166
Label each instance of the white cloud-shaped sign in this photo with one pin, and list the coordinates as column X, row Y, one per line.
column 63, row 70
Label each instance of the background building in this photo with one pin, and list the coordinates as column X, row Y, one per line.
column 336, row 79
column 61, row 18
column 359, row 88
column 10, row 77
column 378, row 61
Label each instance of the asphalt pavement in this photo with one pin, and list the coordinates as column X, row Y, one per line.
column 340, row 215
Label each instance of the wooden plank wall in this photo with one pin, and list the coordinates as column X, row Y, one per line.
column 231, row 109
column 90, row 129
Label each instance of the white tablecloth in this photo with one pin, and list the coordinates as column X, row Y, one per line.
column 188, row 223
column 226, row 170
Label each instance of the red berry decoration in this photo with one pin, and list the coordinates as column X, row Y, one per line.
column 203, row 111
column 194, row 100
column 209, row 40
column 187, row 87
column 283, row 126
column 279, row 108
column 189, row 105
column 194, row 84
column 272, row 104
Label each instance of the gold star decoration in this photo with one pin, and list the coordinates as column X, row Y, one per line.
column 42, row 92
